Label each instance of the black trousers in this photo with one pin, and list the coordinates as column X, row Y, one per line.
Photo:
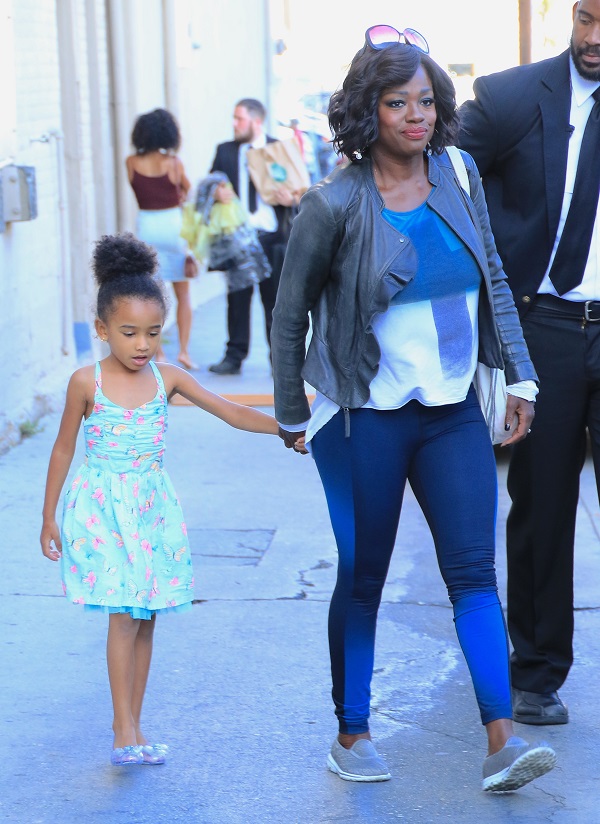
column 239, row 303
column 543, row 483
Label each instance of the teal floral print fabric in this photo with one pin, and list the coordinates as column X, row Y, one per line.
column 125, row 545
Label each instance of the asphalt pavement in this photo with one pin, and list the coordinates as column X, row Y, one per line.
column 240, row 687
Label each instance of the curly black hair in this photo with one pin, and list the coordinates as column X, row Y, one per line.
column 154, row 131
column 353, row 108
column 123, row 267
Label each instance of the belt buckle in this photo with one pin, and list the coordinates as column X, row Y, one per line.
column 586, row 312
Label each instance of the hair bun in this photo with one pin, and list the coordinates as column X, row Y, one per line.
column 118, row 256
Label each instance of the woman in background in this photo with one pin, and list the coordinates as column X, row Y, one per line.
column 160, row 186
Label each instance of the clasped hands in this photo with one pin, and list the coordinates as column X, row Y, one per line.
column 294, row 440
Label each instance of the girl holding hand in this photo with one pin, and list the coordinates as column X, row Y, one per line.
column 123, row 545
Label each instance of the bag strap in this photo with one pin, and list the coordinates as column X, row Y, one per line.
column 459, row 167
column 460, row 170
column 496, row 376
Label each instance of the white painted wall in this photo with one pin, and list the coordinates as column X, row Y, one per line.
column 221, row 57
column 31, row 315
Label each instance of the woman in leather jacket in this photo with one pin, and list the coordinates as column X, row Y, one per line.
column 395, row 266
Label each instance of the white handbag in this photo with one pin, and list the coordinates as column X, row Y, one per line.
column 489, row 383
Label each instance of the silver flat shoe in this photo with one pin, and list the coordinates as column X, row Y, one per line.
column 516, row 764
column 154, row 754
column 126, row 756
column 361, row 762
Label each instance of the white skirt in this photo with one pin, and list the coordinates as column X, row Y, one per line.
column 160, row 228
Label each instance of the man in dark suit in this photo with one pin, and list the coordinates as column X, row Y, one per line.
column 272, row 224
column 528, row 132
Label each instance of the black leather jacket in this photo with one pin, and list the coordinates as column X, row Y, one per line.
column 344, row 263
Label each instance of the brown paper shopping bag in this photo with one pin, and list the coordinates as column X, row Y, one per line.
column 278, row 164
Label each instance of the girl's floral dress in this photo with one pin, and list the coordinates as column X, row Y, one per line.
column 125, row 546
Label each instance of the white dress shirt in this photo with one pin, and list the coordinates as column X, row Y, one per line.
column 264, row 218
column 582, row 103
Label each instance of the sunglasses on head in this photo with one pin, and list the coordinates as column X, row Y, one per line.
column 379, row 37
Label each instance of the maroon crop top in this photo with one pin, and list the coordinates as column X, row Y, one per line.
column 154, row 193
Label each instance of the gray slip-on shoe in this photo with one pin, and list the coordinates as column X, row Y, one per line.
column 516, row 764
column 360, row 763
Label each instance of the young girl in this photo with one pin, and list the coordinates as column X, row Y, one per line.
column 123, row 545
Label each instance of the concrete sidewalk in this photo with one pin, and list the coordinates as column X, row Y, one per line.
column 240, row 687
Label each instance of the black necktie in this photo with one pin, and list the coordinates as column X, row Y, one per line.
column 251, row 205
column 251, row 196
column 573, row 248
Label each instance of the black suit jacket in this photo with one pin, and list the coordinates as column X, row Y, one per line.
column 517, row 129
column 226, row 160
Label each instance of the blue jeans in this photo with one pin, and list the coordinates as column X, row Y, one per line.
column 446, row 454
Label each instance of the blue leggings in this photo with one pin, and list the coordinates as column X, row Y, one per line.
column 446, row 455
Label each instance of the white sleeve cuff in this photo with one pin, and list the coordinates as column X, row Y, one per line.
column 523, row 389
column 294, row 427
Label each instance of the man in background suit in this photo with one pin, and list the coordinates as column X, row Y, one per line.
column 525, row 130
column 272, row 224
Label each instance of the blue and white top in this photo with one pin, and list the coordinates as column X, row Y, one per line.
column 428, row 336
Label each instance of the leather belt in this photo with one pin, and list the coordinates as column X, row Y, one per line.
column 584, row 310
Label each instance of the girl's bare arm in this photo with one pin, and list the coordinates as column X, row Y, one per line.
column 235, row 414
column 60, row 460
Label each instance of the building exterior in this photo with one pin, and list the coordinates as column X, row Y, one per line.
column 75, row 74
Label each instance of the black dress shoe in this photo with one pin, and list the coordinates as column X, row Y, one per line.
column 225, row 367
column 538, row 708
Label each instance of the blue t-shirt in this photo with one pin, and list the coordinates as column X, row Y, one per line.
column 428, row 336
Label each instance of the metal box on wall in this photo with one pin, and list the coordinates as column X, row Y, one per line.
column 19, row 194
